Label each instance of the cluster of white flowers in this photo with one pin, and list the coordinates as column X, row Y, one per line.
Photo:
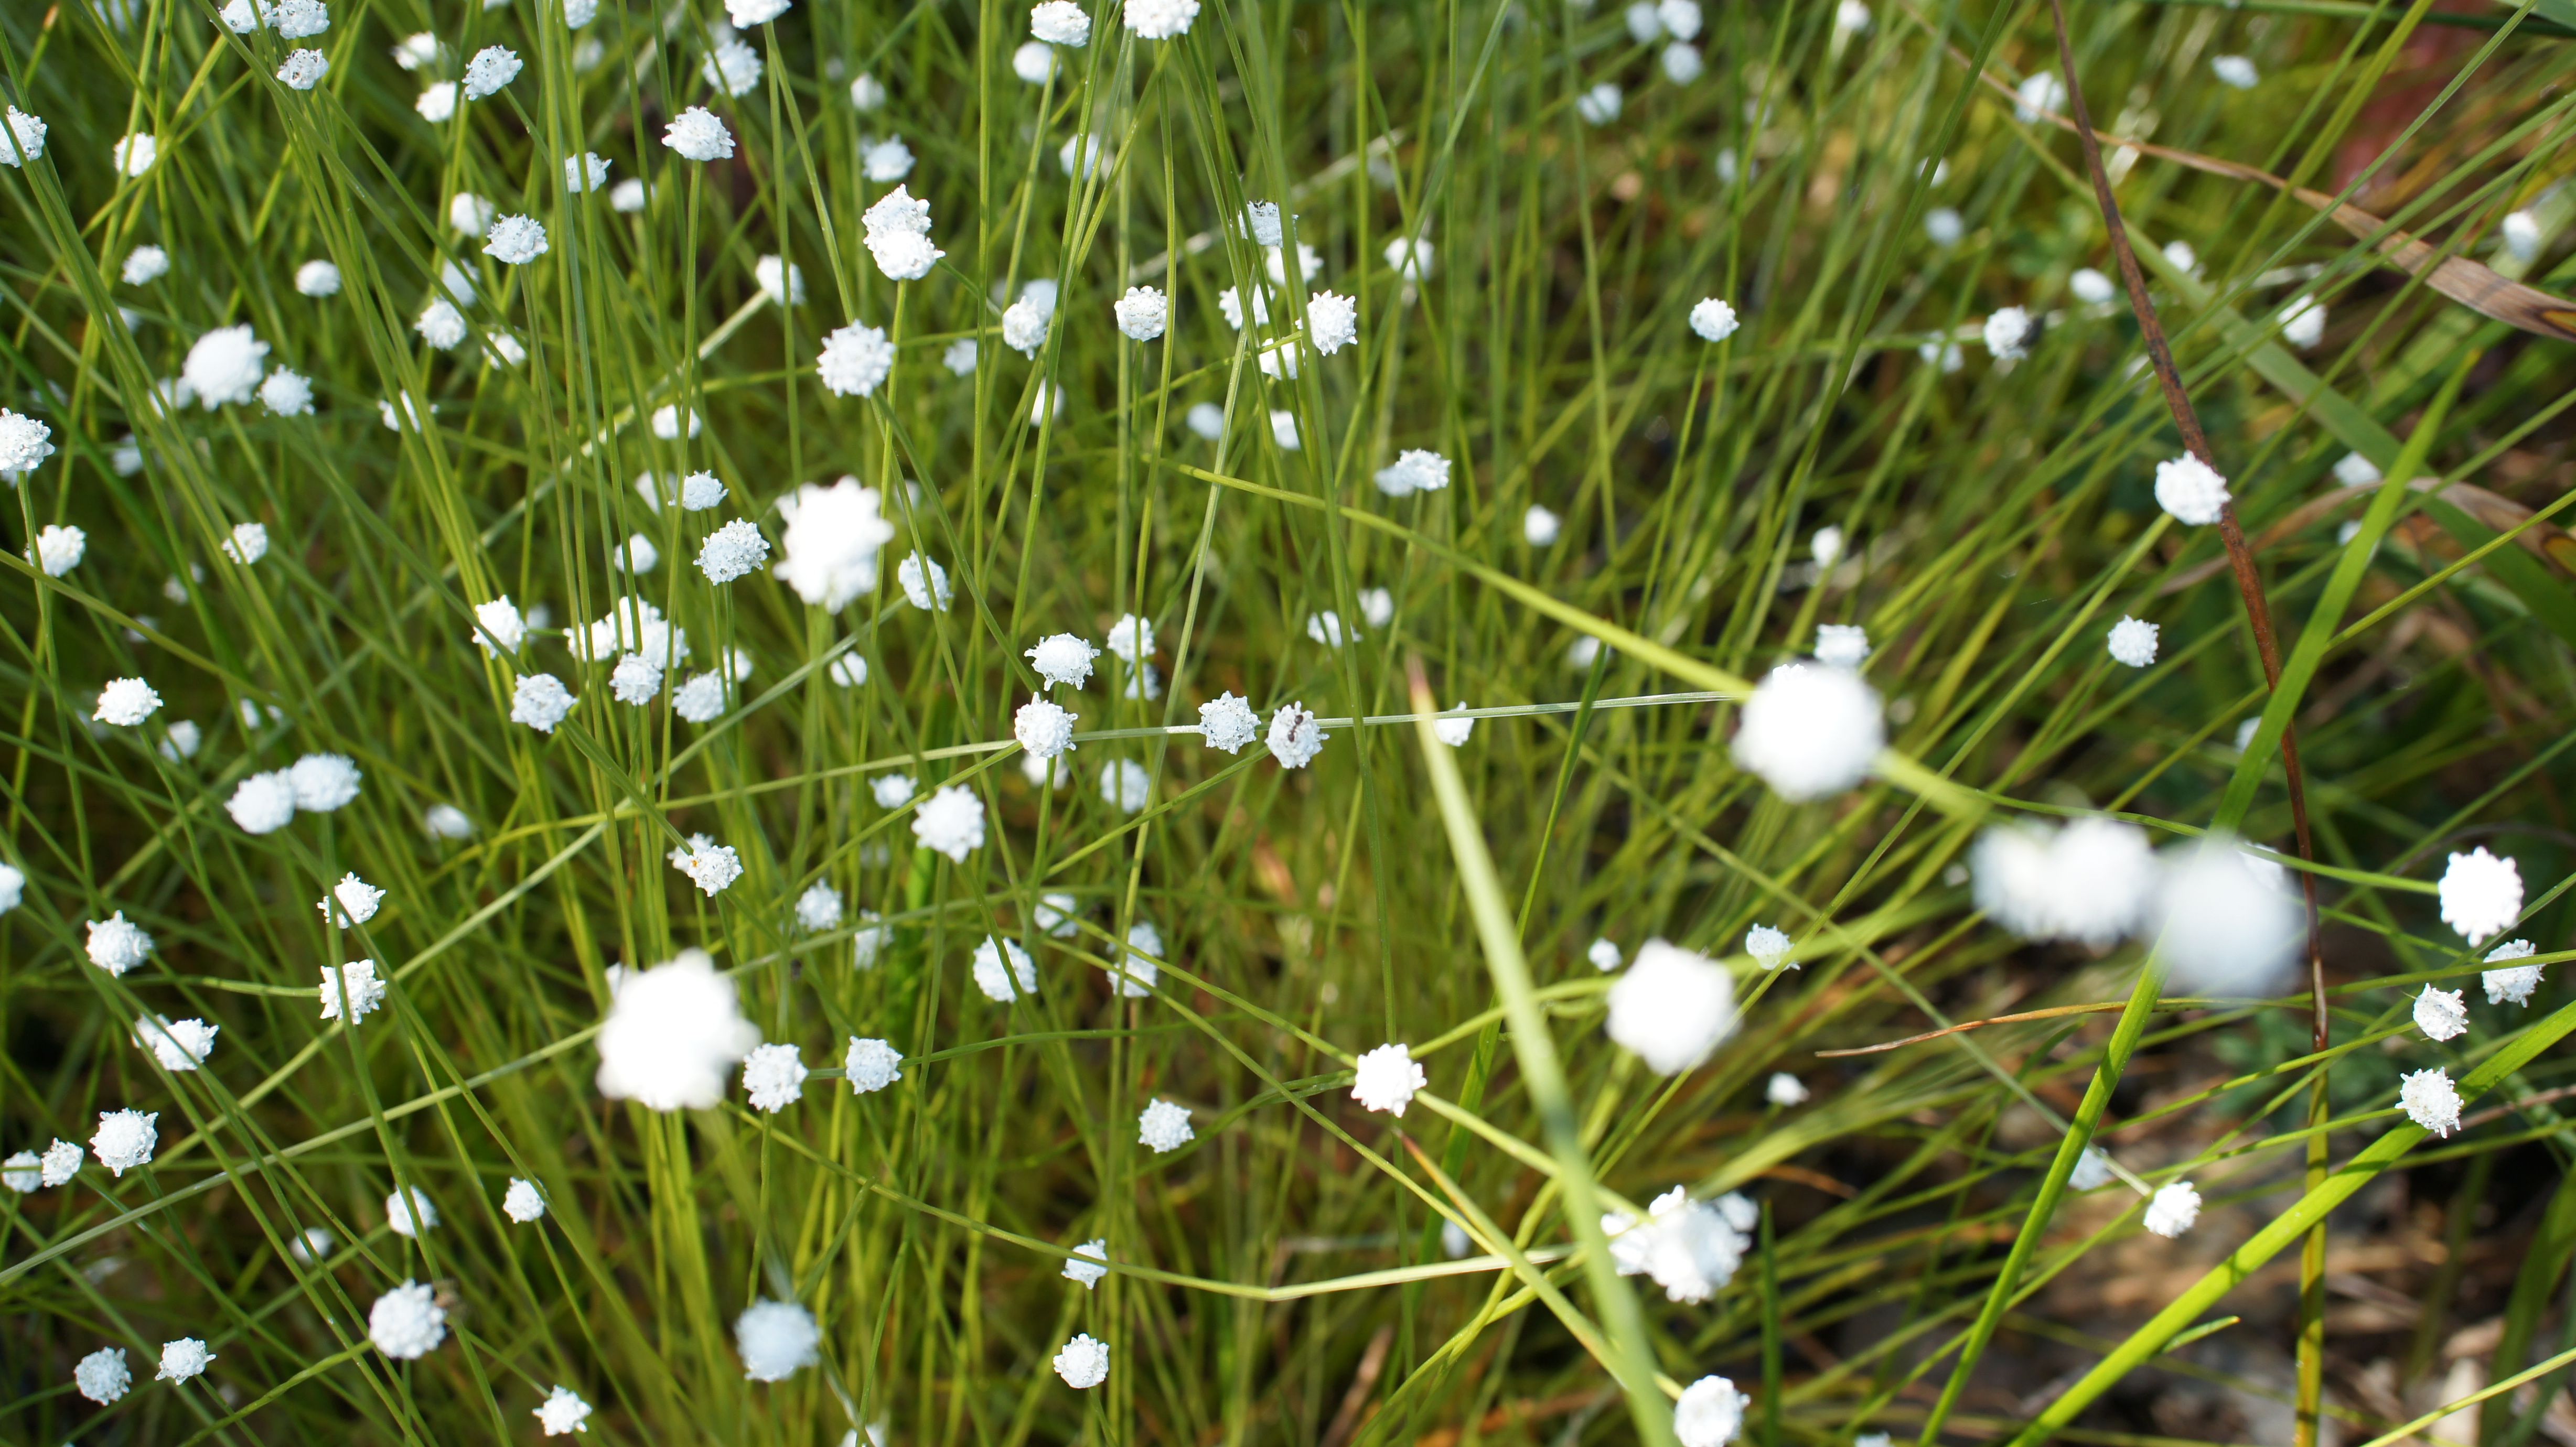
column 898, row 236
column 1689, row 1248
column 2093, row 881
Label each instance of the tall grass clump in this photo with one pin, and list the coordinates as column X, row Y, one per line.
column 1222, row 723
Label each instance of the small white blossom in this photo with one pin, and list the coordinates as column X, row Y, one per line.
column 2039, row 91
column 24, row 140
column 61, row 1162
column 446, row 821
column 1455, row 732
column 1294, row 738
column 352, row 900
column 732, row 551
column 1230, row 305
column 407, row 1323
column 1540, row 527
column 996, row 981
column 22, row 1172
column 585, row 172
column 698, row 136
column 2442, row 1014
column 1160, row 19
column 818, row 909
column 286, row 394
column 1131, row 638
column 58, row 551
column 523, row 1202
column 2303, row 321
column 898, row 236
column 2190, row 490
column 2481, row 894
column 499, row 619
column 1785, row 1090
column 540, row 701
column 871, row 1065
column 732, row 67
column 636, row 680
column 1412, row 259
column 1332, row 321
column 1088, row 1263
column 2173, row 1211
column 2092, row 1170
column 437, row 103
column 1710, row 1413
column 925, row 583
column 1164, row 1127
column 358, row 980
column 1386, row 1079
column 1326, row 628
column 892, row 791
column 515, row 240
column 1228, row 723
column 183, row 1359
column 1414, row 470
column 856, row 360
column 178, row 1044
column 1604, row 955
column 303, row 69
column 2090, row 287
column 1768, row 947
column 1600, row 105
column 441, row 325
column 324, row 782
column 1063, row 658
column 1809, row 732
column 224, row 367
column 1043, row 728
column 950, row 822
column 409, row 1211
column 102, row 1375
column 1682, row 63
column 781, row 282
column 1943, row 225
column 628, row 197
column 1126, row 786
column 867, row 94
column 2008, row 331
column 263, row 803
column 1060, row 22
column 1084, row 1362
column 885, row 160
column 1024, row 326
column 2430, row 1100
column 2133, row 642
column 1672, row 1007
column 117, row 944
column 2515, row 983
column 135, row 154
column 1142, row 313
column 774, row 1077
column 747, row 14
column 145, row 265
column 492, row 68
column 1852, row 17
column 125, row 1139
column 563, row 1412
column 1842, row 645
column 2235, row 70
column 712, row 867
column 1713, row 320
column 317, row 279
column 1033, row 62
column 23, row 442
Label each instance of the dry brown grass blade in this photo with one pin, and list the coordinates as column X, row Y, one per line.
column 2472, row 284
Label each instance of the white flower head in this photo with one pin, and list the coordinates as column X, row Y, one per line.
column 1088, row 1263
column 1332, row 321
column 1600, row 105
column 540, row 701
column 2442, row 1014
column 2092, row 881
column 1842, row 645
column 2190, row 490
column 1131, row 639
column 628, row 196
column 60, row 1163
column 898, row 235
column 1138, row 967
column 446, row 821
column 994, row 979
column 585, row 172
column 747, row 14
column 1785, row 1090
column 673, row 1033
column 1943, row 225
column 950, row 822
column 117, row 944
column 441, row 325
column 773, row 1077
column 2481, row 894
column 1164, row 1127
column 2039, row 91
column 183, row 1359
column 1672, row 1008
column 1060, row 22
column 1769, row 947
column 698, row 136
column 885, row 160
column 732, row 67
column 324, row 782
column 102, row 1376
column 1604, row 955
column 1063, row 659
column 1084, row 1362
column 224, row 367
column 144, row 265
column 437, row 103
column 1044, row 728
column 285, row 394
column 1386, row 1079
column 303, row 69
column 23, row 442
column 23, row 140
column 1414, row 470
column 925, row 583
column 777, row 1339
column 871, row 1065
column 2173, row 1210
column 1540, row 528
column 562, row 1412
column 407, row 1323
column 2235, row 70
column 2430, row 1100
column 1227, row 722
column 2303, row 321
column 409, row 1211
column 732, row 551
column 355, row 982
column 1295, row 739
column 1143, row 313
column 2226, row 922
column 2090, row 287
column 1713, row 319
column 867, row 93
column 1024, row 326
column 829, row 550
column 515, row 240
column 2092, row 1170
column 125, row 1139
column 712, row 867
column 1160, row 19
column 637, row 680
column 1455, row 732
column 134, row 154
column 179, row 1044
column 2133, row 642
column 818, row 909
column 2008, row 332
column 493, row 67
column 499, row 619
column 523, row 1202
column 1809, row 732
column 60, row 549
column 2515, row 983
column 892, row 791
column 2355, row 470
column 1710, row 1413
column 856, row 360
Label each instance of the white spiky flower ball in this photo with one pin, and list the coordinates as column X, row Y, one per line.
column 777, row 1339
column 1044, row 728
column 871, row 1065
column 1143, row 314
column 1809, row 731
column 1063, row 659
column 24, row 442
column 1084, row 1361
column 834, row 534
column 125, row 1139
column 523, row 1202
column 1842, row 645
column 1768, row 947
column 1002, row 983
column 1712, row 319
column 1088, row 1263
column 354, row 984
column 2430, row 1100
column 1414, row 470
column 698, row 136
column 60, row 549
column 409, row 1211
column 1125, row 785
column 1227, row 722
column 540, row 701
column 1060, row 22
column 2481, row 894
column 1164, row 1127
column 950, row 822
column 102, row 1376
column 2007, row 333
column 562, row 1412
column 1386, row 1079
column 2442, row 1014
column 2173, row 1210
column 898, row 234
column 1295, row 738
column 324, row 782
column 1332, row 321
column 515, row 240
column 1604, row 955
column 2133, row 642
column 672, row 1035
column 183, row 1360
column 407, row 1323
column 117, row 944
column 1672, row 1008
column 2190, row 490
column 178, row 1044
column 1709, row 1414
column 492, row 68
column 2514, row 983
column 774, row 1077
column 2225, row 922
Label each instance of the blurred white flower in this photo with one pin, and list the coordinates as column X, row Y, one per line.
column 2190, row 490
column 2481, row 894
column 1414, row 470
column 1164, row 1127
column 357, row 985
column 492, row 68
column 1709, row 1414
column 1672, row 1008
column 523, row 1202
column 994, row 979
column 1084, row 1362
column 407, row 1322
column 1809, row 731
column 871, row 1065
column 2235, row 70
column 2442, row 1014
column 1386, row 1079
column 2173, row 1210
column 409, row 1211
column 776, row 1339
column 2133, row 642
column 1768, row 947
column 102, row 1375
column 950, row 822
column 673, row 1033
column 2007, row 333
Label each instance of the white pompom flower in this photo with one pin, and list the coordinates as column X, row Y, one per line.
column 2511, row 983
column 871, row 1065
column 1143, row 313
column 1044, row 728
column 950, row 822
column 1332, row 321
column 116, row 944
column 1060, row 22
column 774, row 1077
column 2481, row 894
column 2430, row 1100
column 178, row 1044
column 1164, row 1127
column 1063, row 659
column 698, row 135
column 1842, row 645
column 898, row 234
column 523, row 1202
column 1709, row 1414
column 2190, row 490
column 324, row 782
column 353, row 984
column 1672, row 1008
column 183, row 1360
column 563, row 1412
column 407, row 1323
column 515, row 240
column 777, row 1339
column 1386, row 1079
column 125, row 1139
column 732, row 551
column 540, row 701
column 1295, row 739
column 1084, row 1362
column 1768, row 947
column 1414, row 470
column 1227, row 722
column 1088, row 1263
column 2442, row 1014
column 2174, row 1210
column 492, row 68
column 1712, row 319
column 60, row 549
column 1159, row 19
column 2133, row 642
column 855, row 361
column 2226, row 922
column 1809, row 732
column 409, row 1211
column 2007, row 333
column 1003, row 983
column 102, row 1376
column 672, row 1035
